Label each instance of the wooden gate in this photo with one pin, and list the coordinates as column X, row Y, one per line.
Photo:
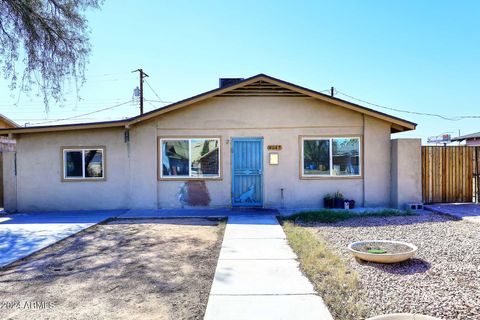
column 448, row 174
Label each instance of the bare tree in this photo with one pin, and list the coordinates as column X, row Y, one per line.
column 44, row 43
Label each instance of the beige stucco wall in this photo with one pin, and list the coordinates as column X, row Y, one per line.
column 406, row 172
column 281, row 121
column 377, row 163
column 39, row 172
column 9, row 182
column 143, row 166
column 132, row 168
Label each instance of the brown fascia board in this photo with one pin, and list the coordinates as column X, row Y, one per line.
column 398, row 124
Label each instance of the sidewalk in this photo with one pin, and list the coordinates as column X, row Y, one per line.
column 258, row 276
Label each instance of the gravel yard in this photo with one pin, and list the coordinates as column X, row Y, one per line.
column 126, row 269
column 444, row 278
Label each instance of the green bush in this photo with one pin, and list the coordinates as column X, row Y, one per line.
column 329, row 216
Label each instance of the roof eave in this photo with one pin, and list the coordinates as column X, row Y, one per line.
column 10, row 123
column 65, row 127
column 398, row 124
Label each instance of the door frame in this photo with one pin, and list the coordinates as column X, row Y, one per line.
column 232, row 170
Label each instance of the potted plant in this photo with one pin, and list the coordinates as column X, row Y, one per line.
column 352, row 204
column 328, row 201
column 338, row 200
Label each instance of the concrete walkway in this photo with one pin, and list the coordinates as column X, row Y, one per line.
column 258, row 276
column 22, row 234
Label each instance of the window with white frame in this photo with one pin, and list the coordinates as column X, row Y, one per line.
column 83, row 163
column 190, row 158
column 325, row 157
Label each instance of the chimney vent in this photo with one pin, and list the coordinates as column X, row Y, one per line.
column 225, row 82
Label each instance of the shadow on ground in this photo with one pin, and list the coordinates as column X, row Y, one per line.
column 411, row 266
column 161, row 268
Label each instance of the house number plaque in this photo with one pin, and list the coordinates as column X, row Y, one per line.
column 274, row 147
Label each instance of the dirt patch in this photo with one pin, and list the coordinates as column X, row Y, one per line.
column 127, row 269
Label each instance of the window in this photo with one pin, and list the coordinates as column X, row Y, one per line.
column 83, row 164
column 330, row 157
column 346, row 157
column 316, row 157
column 190, row 158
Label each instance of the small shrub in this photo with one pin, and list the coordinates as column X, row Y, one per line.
column 329, row 216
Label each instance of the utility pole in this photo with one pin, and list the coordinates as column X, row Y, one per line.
column 142, row 75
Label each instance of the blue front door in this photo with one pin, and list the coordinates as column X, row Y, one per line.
column 247, row 172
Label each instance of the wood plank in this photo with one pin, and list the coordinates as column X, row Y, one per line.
column 448, row 174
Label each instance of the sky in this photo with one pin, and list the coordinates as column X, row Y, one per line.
column 419, row 56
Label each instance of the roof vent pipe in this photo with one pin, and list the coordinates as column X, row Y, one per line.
column 226, row 82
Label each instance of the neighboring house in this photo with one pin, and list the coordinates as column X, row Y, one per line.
column 6, row 123
column 253, row 142
column 472, row 139
column 6, row 144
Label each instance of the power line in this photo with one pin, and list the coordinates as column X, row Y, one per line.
column 161, row 101
column 450, row 118
column 85, row 114
column 154, row 106
column 156, row 94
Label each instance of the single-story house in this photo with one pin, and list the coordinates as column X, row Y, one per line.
column 472, row 140
column 258, row 141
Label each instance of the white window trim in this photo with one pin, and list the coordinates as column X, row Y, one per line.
column 331, row 175
column 82, row 150
column 190, row 177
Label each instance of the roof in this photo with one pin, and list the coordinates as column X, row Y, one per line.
column 9, row 123
column 467, row 137
column 243, row 88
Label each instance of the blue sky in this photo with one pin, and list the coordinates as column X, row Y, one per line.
column 409, row 55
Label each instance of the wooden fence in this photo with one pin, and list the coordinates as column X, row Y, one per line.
column 450, row 174
column 1, row 180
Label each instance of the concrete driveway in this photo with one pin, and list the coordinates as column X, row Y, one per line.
column 463, row 211
column 22, row 234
